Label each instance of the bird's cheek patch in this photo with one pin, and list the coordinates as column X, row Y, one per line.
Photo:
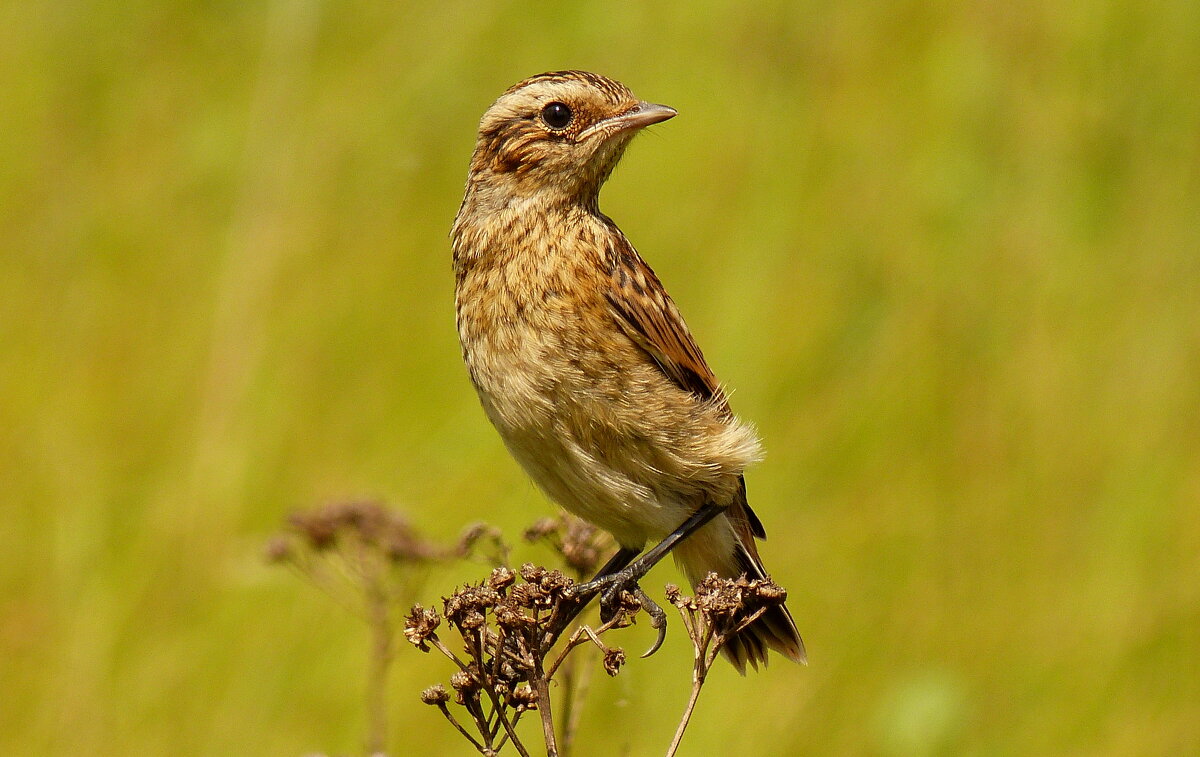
column 516, row 155
column 506, row 161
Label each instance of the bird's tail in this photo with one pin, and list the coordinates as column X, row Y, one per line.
column 712, row 549
column 774, row 629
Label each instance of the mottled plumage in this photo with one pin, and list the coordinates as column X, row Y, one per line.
column 580, row 358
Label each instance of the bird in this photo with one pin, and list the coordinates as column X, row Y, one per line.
column 581, row 359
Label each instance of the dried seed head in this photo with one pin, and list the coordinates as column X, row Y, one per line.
column 629, row 602
column 581, row 546
column 419, row 625
column 546, row 586
column 501, row 578
column 524, row 595
column 532, row 573
column 524, row 697
column 725, row 602
column 720, row 599
column 465, row 608
column 464, row 681
column 579, row 543
column 554, row 582
column 366, row 522
column 317, row 527
column 480, row 540
column 474, row 532
column 435, row 694
column 676, row 597
column 471, row 620
column 510, row 617
column 543, row 529
column 613, row 660
column 278, row 550
column 769, row 592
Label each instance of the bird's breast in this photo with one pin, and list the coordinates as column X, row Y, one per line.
column 533, row 324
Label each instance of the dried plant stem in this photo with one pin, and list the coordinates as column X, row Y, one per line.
column 380, row 662
column 576, row 683
column 481, row 722
column 437, row 644
column 510, row 625
column 363, row 555
column 697, row 683
column 704, row 658
column 707, row 643
column 581, row 635
column 542, row 682
column 576, row 688
column 510, row 732
column 376, row 601
column 498, row 707
column 449, row 716
column 509, row 727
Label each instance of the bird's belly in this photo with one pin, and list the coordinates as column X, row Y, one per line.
column 609, row 448
column 579, row 447
column 610, row 484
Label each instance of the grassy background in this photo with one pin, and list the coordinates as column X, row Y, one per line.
column 948, row 254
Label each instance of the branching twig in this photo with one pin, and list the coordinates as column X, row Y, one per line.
column 721, row 609
column 510, row 624
column 503, row 622
column 365, row 556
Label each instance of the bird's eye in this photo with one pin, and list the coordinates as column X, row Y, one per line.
column 556, row 115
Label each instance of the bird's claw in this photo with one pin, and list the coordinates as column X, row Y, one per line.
column 611, row 594
column 658, row 621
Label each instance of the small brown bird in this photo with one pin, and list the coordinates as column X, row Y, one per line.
column 580, row 358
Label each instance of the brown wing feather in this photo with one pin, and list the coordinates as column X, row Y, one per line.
column 649, row 317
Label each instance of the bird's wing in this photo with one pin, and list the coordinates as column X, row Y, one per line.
column 649, row 317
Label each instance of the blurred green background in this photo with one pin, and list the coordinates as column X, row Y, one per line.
column 948, row 255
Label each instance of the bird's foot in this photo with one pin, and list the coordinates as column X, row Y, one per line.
column 614, row 589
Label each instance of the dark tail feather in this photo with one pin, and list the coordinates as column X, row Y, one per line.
column 775, row 629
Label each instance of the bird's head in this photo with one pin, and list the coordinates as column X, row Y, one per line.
column 558, row 133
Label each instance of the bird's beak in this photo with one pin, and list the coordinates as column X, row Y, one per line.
column 639, row 116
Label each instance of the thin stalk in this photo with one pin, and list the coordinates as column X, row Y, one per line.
column 700, row 668
column 510, row 732
column 446, row 711
column 380, row 662
column 697, row 684
column 581, row 635
column 543, row 704
column 576, row 684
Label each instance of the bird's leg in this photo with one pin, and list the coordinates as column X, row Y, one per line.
column 622, row 558
column 658, row 618
column 617, row 576
column 625, row 579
